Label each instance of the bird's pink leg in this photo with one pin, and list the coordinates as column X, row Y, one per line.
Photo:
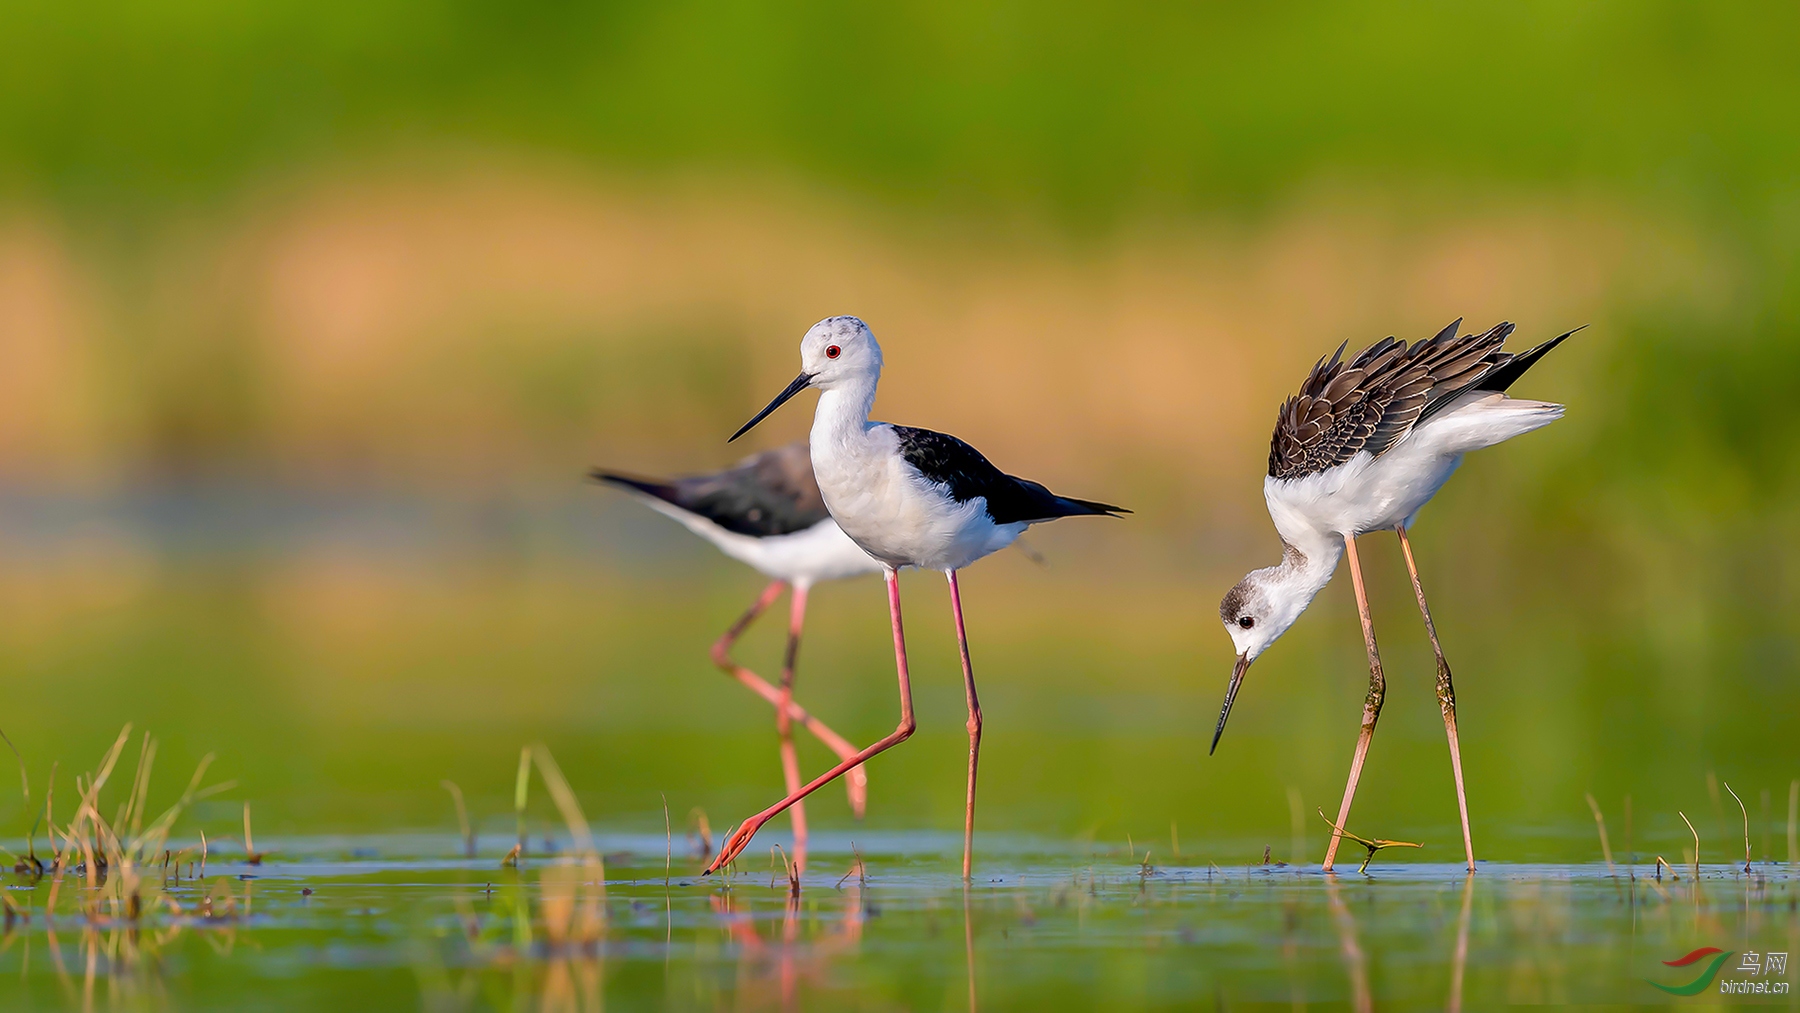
column 784, row 725
column 974, row 726
column 1446, row 692
column 740, row 838
column 1371, row 703
column 857, row 781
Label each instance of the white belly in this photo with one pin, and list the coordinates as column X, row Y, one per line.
column 807, row 556
column 898, row 517
column 1374, row 493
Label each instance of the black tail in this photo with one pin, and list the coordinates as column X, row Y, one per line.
column 1084, row 507
column 649, row 487
column 1508, row 372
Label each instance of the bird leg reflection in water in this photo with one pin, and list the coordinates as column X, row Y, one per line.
column 788, row 961
column 1354, row 960
column 969, row 943
column 1460, row 959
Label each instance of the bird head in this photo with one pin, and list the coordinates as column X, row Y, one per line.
column 836, row 351
column 1256, row 612
column 839, row 350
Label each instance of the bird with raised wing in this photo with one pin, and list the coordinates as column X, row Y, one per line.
column 909, row 497
column 767, row 512
column 1363, row 447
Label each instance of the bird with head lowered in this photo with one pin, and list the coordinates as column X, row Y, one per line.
column 1363, row 447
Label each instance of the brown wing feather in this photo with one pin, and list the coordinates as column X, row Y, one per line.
column 1370, row 402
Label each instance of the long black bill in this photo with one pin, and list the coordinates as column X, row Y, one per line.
column 796, row 387
column 1237, row 679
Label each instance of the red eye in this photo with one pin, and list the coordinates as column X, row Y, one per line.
column 832, row 351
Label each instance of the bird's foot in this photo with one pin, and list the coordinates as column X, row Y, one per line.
column 857, row 784
column 736, row 843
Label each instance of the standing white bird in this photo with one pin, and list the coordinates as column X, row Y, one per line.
column 767, row 512
column 909, row 497
column 1363, row 447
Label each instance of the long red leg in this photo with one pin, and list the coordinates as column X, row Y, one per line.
column 740, row 838
column 857, row 782
column 1446, row 692
column 784, row 725
column 974, row 726
column 1371, row 703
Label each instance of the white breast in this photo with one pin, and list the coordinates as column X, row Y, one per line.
column 895, row 513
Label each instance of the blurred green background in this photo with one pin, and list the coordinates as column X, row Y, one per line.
column 312, row 317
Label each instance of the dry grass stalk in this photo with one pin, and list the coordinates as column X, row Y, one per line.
column 700, row 832
column 788, row 867
column 31, row 839
column 1372, row 845
column 1600, row 821
column 857, row 868
column 251, row 855
column 564, row 797
column 584, row 888
column 115, row 856
column 462, row 817
column 1746, row 814
column 668, row 843
column 521, row 786
column 1696, row 833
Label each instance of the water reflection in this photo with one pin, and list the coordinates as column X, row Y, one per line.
column 1354, row 962
column 777, row 955
column 561, row 934
column 1459, row 961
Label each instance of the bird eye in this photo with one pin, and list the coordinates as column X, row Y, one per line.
column 832, row 351
column 1246, row 621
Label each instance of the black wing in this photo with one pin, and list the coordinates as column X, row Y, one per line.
column 962, row 470
column 767, row 494
column 1375, row 398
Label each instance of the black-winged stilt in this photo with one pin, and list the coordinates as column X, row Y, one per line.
column 1363, row 447
column 910, row 497
column 766, row 512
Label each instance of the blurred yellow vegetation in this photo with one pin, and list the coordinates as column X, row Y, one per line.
column 502, row 323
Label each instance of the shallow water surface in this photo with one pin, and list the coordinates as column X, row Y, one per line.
column 884, row 923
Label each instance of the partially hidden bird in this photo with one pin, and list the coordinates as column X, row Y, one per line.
column 766, row 512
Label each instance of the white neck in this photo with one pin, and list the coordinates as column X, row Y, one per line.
column 1305, row 569
column 843, row 412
